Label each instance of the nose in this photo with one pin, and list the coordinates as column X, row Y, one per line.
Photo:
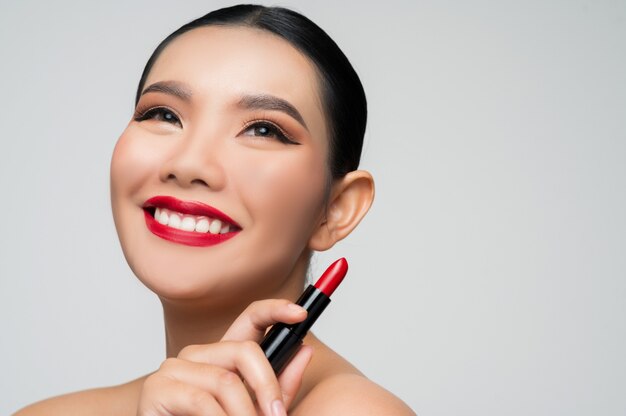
column 195, row 161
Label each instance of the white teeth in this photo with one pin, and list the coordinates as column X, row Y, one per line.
column 174, row 221
column 188, row 224
column 163, row 217
column 215, row 227
column 198, row 224
column 202, row 225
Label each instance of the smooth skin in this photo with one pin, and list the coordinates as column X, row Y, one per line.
column 213, row 146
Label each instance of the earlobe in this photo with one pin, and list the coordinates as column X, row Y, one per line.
column 351, row 198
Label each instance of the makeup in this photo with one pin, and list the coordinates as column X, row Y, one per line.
column 193, row 221
column 283, row 340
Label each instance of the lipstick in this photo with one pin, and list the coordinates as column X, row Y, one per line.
column 283, row 340
column 187, row 208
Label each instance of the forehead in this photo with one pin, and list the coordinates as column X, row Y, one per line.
column 223, row 62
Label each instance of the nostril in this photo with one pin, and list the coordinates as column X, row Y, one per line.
column 199, row 181
column 187, row 173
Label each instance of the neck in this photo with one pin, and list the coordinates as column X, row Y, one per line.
column 202, row 323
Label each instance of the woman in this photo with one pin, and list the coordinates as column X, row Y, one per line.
column 239, row 162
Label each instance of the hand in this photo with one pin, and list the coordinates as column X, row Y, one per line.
column 230, row 377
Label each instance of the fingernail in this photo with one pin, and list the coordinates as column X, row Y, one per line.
column 278, row 408
column 296, row 308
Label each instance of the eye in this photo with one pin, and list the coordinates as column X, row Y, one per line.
column 269, row 130
column 159, row 114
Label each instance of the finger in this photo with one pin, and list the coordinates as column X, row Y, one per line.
column 254, row 320
column 226, row 386
column 164, row 395
column 246, row 358
column 290, row 379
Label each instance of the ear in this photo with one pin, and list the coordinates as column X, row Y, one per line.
column 350, row 199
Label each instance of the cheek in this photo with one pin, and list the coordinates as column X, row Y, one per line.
column 286, row 191
column 132, row 161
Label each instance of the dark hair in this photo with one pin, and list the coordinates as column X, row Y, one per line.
column 343, row 97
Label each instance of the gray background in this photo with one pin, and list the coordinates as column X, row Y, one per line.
column 489, row 277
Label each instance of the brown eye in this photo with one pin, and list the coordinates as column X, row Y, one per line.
column 267, row 130
column 262, row 131
column 159, row 114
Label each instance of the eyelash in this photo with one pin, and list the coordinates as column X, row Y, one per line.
column 273, row 129
column 141, row 115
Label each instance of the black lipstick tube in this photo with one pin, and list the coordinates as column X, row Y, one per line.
column 283, row 340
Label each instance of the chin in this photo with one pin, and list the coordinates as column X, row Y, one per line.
column 210, row 281
column 224, row 275
column 207, row 283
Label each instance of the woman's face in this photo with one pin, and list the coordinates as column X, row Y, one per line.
column 236, row 124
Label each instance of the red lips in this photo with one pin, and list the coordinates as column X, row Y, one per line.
column 191, row 238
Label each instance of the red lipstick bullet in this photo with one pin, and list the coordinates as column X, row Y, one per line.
column 283, row 340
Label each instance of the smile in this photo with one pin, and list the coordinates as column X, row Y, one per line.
column 199, row 224
column 188, row 222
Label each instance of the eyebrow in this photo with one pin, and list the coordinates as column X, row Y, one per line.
column 270, row 102
column 248, row 102
column 175, row 88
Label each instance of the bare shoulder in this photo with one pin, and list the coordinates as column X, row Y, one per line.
column 351, row 394
column 100, row 401
column 336, row 387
